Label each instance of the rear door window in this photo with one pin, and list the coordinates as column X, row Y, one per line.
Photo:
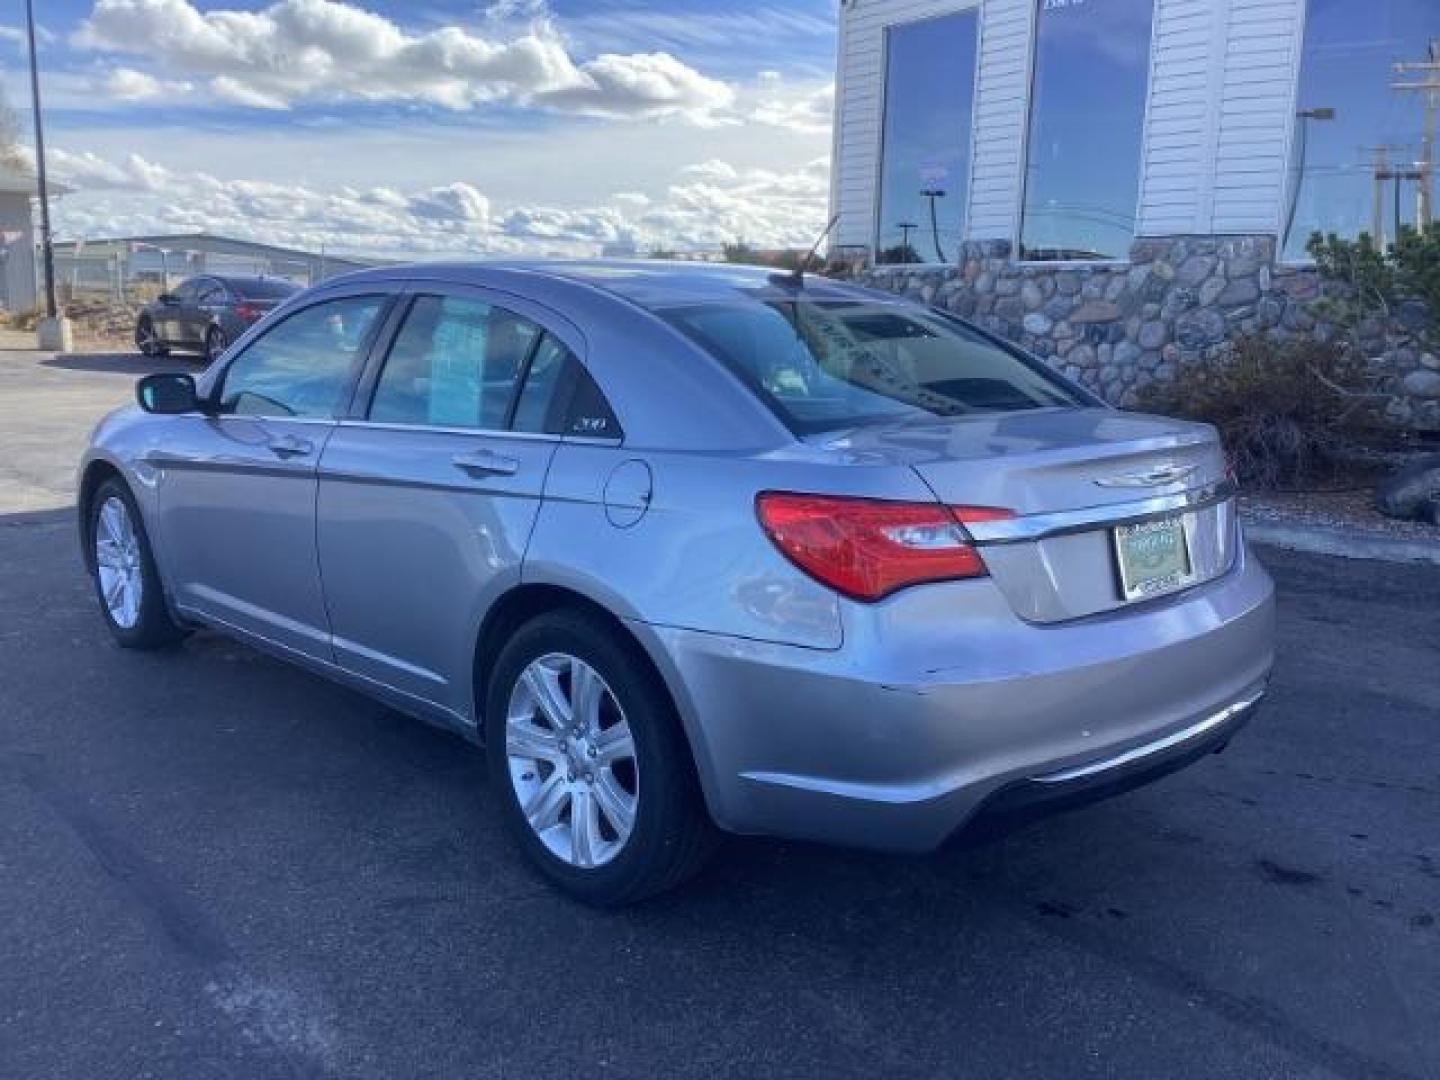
column 303, row 366
column 560, row 398
column 454, row 363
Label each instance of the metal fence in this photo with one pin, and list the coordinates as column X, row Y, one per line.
column 127, row 272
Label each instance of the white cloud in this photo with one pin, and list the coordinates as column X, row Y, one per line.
column 796, row 108
column 127, row 84
column 706, row 205
column 724, row 27
column 302, row 50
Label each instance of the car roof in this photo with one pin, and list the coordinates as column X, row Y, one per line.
column 247, row 279
column 649, row 283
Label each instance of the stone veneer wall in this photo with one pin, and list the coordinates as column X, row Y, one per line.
column 1179, row 300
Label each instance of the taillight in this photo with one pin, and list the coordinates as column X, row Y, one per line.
column 248, row 312
column 869, row 548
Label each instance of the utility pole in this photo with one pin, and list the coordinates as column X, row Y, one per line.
column 1428, row 86
column 906, row 228
column 47, row 248
column 1384, row 173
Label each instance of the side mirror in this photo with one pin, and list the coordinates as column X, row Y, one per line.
column 168, row 298
column 167, row 393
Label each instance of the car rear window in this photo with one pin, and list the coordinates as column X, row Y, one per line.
column 824, row 365
column 276, row 289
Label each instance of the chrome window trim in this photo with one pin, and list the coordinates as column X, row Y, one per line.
column 1040, row 526
column 487, row 433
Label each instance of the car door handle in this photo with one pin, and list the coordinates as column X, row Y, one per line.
column 486, row 463
column 287, row 446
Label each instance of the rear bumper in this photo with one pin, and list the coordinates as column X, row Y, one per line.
column 944, row 703
column 1033, row 797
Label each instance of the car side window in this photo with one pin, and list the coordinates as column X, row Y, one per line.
column 211, row 292
column 453, row 364
column 303, row 366
column 186, row 291
column 560, row 398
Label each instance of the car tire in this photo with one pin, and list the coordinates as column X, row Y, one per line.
column 215, row 344
column 146, row 339
column 122, row 566
column 670, row 833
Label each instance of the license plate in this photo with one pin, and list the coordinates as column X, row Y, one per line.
column 1153, row 557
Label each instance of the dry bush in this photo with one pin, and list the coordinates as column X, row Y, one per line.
column 1284, row 408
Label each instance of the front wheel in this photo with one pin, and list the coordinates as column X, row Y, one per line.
column 590, row 764
column 146, row 338
column 214, row 344
column 123, row 568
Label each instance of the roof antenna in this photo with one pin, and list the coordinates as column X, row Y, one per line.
column 796, row 277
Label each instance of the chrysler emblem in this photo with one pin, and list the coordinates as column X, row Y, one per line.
column 1153, row 477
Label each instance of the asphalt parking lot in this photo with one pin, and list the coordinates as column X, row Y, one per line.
column 213, row 865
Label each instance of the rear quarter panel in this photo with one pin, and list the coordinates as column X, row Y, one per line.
column 697, row 558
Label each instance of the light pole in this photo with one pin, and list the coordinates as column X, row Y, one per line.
column 906, row 228
column 1304, row 116
column 53, row 332
column 932, row 194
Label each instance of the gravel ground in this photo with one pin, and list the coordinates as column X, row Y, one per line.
column 1354, row 509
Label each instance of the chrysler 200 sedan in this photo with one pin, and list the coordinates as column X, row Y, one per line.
column 694, row 548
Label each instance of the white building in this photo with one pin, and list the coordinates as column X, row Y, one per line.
column 1068, row 127
column 1123, row 185
column 17, row 240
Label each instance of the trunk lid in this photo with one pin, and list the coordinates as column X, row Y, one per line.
column 1070, row 476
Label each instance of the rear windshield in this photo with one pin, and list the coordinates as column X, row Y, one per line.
column 265, row 289
column 823, row 365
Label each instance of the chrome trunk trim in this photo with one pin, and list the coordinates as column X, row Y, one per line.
column 1057, row 523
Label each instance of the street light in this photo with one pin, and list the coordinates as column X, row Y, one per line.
column 53, row 331
column 1304, row 116
column 932, row 194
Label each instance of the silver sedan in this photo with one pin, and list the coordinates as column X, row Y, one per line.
column 694, row 548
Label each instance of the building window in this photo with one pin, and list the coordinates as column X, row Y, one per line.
column 925, row 152
column 1358, row 161
column 1087, row 115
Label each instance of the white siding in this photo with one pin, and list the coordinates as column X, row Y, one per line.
column 1184, row 88
column 1221, row 98
column 1222, row 92
column 1002, row 102
column 1256, row 117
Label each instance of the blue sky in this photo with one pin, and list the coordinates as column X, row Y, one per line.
column 437, row 127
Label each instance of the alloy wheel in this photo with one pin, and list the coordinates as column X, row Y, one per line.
column 214, row 345
column 145, row 338
column 118, row 563
column 572, row 760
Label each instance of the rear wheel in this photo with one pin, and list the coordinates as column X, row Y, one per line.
column 146, row 338
column 215, row 344
column 126, row 580
column 588, row 760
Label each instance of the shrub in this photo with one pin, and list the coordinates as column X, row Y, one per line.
column 1378, row 282
column 1282, row 407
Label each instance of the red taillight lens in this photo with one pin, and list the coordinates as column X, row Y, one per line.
column 248, row 312
column 869, row 548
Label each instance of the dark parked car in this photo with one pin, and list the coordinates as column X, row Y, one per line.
column 206, row 313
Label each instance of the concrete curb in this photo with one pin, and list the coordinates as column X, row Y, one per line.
column 1345, row 543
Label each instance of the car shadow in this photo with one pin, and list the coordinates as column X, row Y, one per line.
column 132, row 363
column 64, row 515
